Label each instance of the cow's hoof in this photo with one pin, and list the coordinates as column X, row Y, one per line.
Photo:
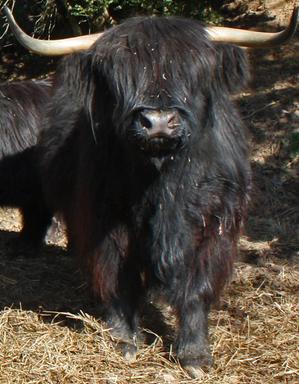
column 197, row 368
column 194, row 372
column 128, row 351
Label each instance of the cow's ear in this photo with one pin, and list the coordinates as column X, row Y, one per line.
column 73, row 76
column 75, row 93
column 232, row 67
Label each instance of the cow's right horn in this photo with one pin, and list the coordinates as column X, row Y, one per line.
column 50, row 47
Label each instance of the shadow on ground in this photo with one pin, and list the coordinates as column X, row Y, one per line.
column 271, row 112
column 50, row 283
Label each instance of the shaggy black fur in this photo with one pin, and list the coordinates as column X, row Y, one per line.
column 151, row 215
column 22, row 105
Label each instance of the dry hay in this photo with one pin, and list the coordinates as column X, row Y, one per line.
column 254, row 338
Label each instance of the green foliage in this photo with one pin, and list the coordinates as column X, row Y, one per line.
column 96, row 10
column 89, row 8
column 295, row 144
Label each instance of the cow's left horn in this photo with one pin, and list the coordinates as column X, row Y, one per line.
column 50, row 47
column 254, row 39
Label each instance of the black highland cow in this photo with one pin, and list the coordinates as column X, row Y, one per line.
column 146, row 159
column 22, row 105
column 145, row 155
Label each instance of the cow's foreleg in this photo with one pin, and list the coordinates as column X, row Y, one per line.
column 192, row 346
column 123, row 314
column 117, row 282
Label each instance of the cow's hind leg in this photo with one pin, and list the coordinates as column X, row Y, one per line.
column 122, row 319
column 36, row 220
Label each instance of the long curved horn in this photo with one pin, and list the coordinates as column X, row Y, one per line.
column 240, row 37
column 254, row 39
column 49, row 47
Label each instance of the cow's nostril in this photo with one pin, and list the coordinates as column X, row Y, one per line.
column 145, row 121
column 173, row 120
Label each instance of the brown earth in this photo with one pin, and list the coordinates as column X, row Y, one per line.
column 44, row 336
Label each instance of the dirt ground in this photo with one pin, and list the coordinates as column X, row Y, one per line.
column 254, row 332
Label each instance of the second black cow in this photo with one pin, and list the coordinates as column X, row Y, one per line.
column 22, row 105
